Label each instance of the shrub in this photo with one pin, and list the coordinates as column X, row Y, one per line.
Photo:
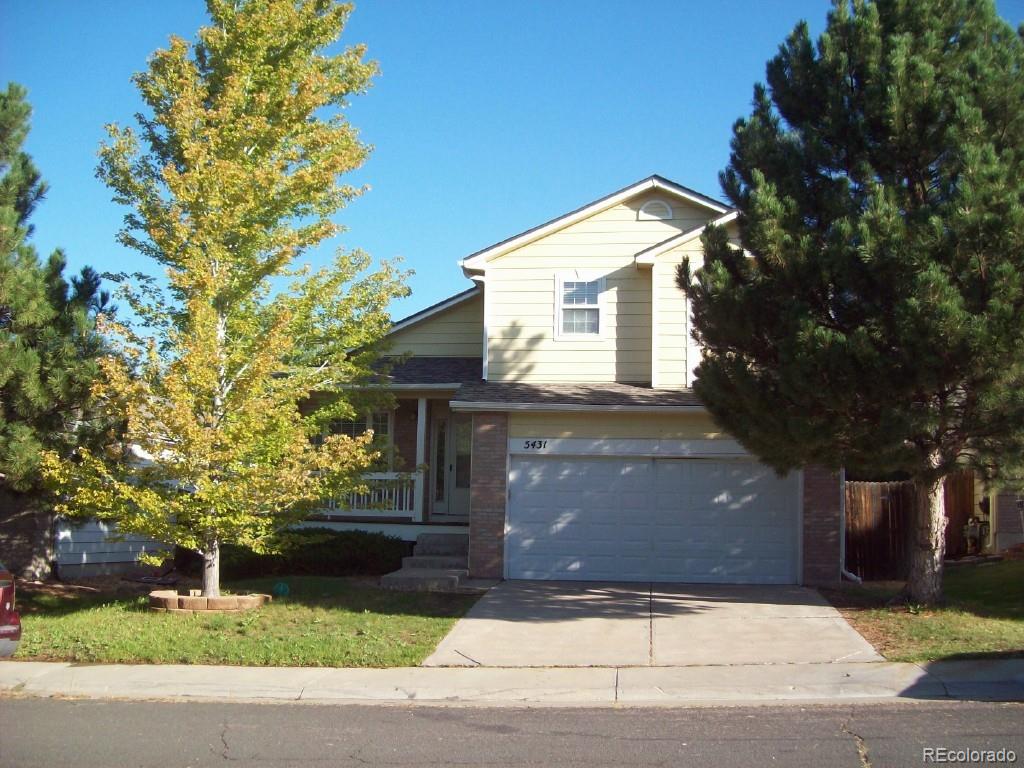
column 319, row 552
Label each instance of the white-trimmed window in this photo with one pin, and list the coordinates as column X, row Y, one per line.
column 379, row 422
column 579, row 307
column 654, row 210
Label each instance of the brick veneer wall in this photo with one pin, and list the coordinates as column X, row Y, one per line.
column 488, row 479
column 821, row 526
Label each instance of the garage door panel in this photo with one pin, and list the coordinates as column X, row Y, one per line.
column 697, row 537
column 634, row 573
column 635, row 502
column 770, row 539
column 670, row 537
column 671, row 568
column 593, row 501
column 571, row 567
column 631, row 519
column 670, row 502
column 598, row 547
column 634, row 550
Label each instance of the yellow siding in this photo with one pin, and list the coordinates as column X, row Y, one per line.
column 676, row 354
column 606, row 426
column 456, row 332
column 672, row 321
column 521, row 298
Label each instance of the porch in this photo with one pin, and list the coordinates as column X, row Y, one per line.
column 427, row 475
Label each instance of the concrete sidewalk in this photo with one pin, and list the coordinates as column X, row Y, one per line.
column 600, row 686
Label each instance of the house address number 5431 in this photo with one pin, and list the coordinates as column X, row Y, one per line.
column 534, row 445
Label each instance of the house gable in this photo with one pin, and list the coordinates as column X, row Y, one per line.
column 451, row 328
column 667, row 191
column 523, row 318
column 524, row 342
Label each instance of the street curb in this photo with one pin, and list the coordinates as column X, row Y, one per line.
column 555, row 686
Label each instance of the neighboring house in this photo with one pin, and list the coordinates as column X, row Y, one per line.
column 547, row 411
column 90, row 547
column 1007, row 517
column 86, row 548
column 36, row 544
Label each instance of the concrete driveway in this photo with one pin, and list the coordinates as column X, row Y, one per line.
column 591, row 624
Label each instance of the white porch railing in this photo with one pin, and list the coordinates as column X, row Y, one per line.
column 389, row 494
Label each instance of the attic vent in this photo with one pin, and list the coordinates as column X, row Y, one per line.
column 654, row 210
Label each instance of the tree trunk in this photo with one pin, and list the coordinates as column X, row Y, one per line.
column 928, row 542
column 211, row 569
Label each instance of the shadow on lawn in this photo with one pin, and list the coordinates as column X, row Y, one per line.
column 993, row 590
column 1017, row 653
column 357, row 595
column 353, row 595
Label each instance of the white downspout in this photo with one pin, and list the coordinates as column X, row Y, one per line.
column 842, row 536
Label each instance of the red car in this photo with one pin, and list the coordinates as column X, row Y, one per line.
column 10, row 621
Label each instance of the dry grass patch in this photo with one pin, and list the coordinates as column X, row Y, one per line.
column 983, row 616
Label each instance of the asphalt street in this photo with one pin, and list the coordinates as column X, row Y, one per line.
column 53, row 732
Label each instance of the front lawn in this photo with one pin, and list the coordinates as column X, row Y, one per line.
column 331, row 622
column 983, row 615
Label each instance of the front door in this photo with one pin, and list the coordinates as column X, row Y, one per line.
column 452, row 449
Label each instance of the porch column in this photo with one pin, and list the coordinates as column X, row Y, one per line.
column 419, row 486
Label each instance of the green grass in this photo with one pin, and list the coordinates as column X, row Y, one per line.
column 322, row 622
column 983, row 615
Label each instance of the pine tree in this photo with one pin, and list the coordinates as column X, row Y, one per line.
column 49, row 346
column 231, row 178
column 874, row 316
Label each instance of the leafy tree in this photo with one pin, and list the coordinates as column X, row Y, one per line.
column 238, row 178
column 873, row 318
column 49, row 346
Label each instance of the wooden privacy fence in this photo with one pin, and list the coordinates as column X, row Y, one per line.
column 878, row 517
column 876, row 528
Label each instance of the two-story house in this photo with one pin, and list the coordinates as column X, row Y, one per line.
column 546, row 411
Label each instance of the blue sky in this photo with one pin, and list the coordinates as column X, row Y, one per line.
column 487, row 119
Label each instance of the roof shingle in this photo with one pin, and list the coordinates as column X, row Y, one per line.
column 436, row 370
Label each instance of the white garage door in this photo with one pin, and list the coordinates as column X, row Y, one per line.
column 643, row 519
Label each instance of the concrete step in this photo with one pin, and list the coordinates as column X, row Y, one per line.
column 447, row 544
column 424, row 579
column 441, row 562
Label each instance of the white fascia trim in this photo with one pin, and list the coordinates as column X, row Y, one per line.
column 479, row 260
column 422, row 315
column 647, row 257
column 462, row 405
